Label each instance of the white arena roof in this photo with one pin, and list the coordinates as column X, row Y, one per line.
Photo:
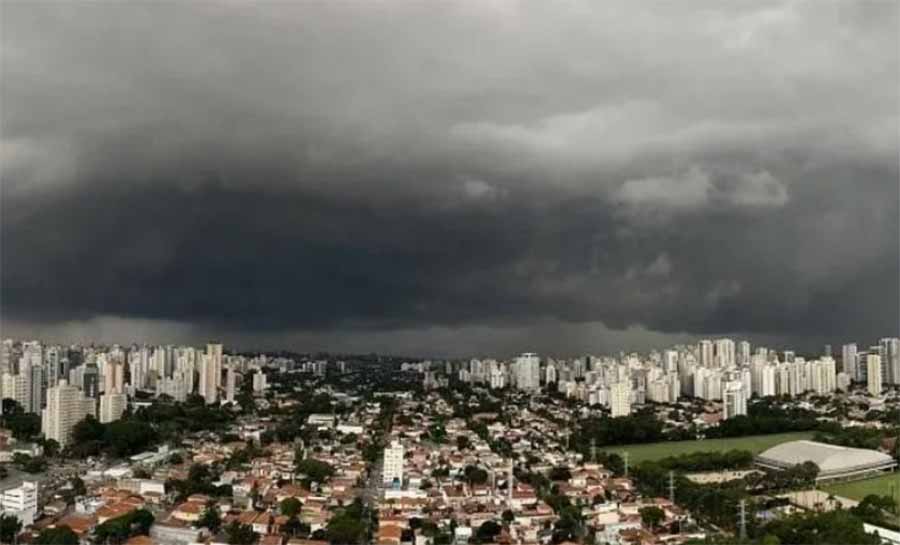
column 833, row 461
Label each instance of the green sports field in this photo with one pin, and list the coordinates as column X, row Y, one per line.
column 857, row 490
column 753, row 443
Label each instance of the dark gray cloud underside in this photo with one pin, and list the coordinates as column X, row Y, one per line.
column 711, row 169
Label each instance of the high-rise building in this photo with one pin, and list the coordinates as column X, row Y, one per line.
column 528, row 372
column 6, row 356
column 66, row 406
column 52, row 362
column 734, row 400
column 889, row 350
column 849, row 361
column 208, row 389
column 114, row 377
column 393, row 464
column 767, row 380
column 112, row 406
column 230, row 384
column 260, row 383
column 620, row 399
column 14, row 387
column 214, row 351
column 874, row 376
column 743, row 354
column 724, row 353
column 37, row 385
column 707, row 353
column 90, row 377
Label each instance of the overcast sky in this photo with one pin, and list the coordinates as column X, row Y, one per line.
column 451, row 178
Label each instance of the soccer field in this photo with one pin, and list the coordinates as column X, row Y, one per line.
column 857, row 490
column 655, row 451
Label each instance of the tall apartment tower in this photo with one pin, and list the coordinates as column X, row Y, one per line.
column 620, row 399
column 734, row 400
column 874, row 377
column 66, row 406
column 528, row 372
column 230, row 383
column 393, row 464
column 724, row 353
column 707, row 353
column 743, row 353
column 114, row 377
column 849, row 361
column 214, row 351
column 112, row 406
column 889, row 350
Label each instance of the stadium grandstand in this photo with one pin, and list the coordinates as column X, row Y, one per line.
column 835, row 463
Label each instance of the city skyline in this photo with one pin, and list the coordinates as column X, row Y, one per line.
column 454, row 180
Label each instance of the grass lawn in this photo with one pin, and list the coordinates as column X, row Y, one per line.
column 753, row 443
column 857, row 490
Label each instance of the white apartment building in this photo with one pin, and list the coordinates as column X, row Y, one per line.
column 620, row 399
column 259, row 381
column 528, row 372
column 66, row 406
column 21, row 502
column 734, row 400
column 873, row 378
column 14, row 387
column 707, row 353
column 889, row 350
column 112, row 406
column 849, row 361
column 393, row 464
column 724, row 353
column 230, row 384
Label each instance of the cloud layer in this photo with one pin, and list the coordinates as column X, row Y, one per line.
column 372, row 169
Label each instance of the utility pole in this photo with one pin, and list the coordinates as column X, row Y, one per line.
column 743, row 520
column 594, row 450
column 626, row 463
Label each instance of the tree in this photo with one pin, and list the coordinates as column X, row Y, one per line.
column 315, row 470
column 61, row 535
column 475, row 475
column 88, row 429
column 872, row 508
column 119, row 529
column 508, row 516
column 211, row 518
column 78, row 486
column 290, row 507
column 651, row 516
column 240, row 534
column 559, row 474
column 294, row 527
column 342, row 530
column 24, row 426
column 10, row 526
column 832, row 527
column 30, row 464
column 462, row 442
column 487, row 532
column 51, row 447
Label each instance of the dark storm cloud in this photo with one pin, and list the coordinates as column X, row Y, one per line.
column 388, row 168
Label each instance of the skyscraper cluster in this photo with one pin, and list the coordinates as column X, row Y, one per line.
column 65, row 384
column 714, row 370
